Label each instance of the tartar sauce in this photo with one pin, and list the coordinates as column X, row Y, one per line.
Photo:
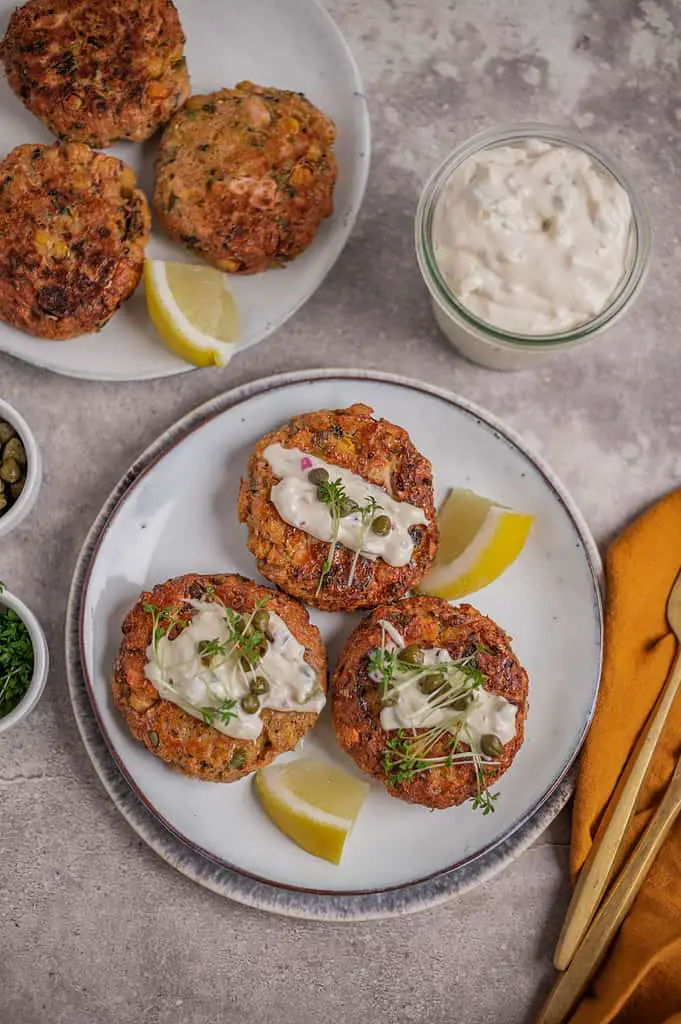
column 486, row 713
column 533, row 238
column 176, row 670
column 295, row 499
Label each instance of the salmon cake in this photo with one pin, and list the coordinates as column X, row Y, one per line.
column 340, row 509
column 430, row 700
column 73, row 232
column 245, row 176
column 97, row 70
column 218, row 675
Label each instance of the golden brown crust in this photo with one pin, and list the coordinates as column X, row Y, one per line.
column 73, row 230
column 375, row 449
column 171, row 734
column 429, row 622
column 245, row 176
column 97, row 70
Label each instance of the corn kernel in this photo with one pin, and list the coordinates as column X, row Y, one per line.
column 301, row 175
column 42, row 239
column 290, row 125
column 60, row 250
column 155, row 67
column 126, row 180
column 158, row 91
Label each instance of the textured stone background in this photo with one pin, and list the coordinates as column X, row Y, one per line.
column 94, row 928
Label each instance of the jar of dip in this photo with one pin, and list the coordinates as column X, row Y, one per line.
column 531, row 241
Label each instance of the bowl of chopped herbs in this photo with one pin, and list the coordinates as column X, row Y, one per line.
column 20, row 469
column 24, row 660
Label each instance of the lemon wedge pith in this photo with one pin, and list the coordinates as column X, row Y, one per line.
column 192, row 310
column 479, row 539
column 312, row 802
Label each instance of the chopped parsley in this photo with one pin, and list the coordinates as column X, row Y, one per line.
column 16, row 660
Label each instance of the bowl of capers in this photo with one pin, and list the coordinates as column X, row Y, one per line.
column 20, row 469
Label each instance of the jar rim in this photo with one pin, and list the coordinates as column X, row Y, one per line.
column 492, row 138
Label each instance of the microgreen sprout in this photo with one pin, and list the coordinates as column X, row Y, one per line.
column 164, row 621
column 224, row 712
column 411, row 753
column 368, row 514
column 331, row 494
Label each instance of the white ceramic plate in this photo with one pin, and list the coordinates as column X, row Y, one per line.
column 176, row 513
column 291, row 44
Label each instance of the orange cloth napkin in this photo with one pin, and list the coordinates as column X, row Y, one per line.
column 640, row 981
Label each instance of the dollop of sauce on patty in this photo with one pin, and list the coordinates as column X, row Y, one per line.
column 205, row 671
column 296, row 498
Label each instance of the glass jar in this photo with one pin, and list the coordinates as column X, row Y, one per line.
column 491, row 346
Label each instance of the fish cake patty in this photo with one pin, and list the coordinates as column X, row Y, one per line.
column 73, row 230
column 179, row 739
column 374, row 449
column 97, row 70
column 245, row 176
column 428, row 622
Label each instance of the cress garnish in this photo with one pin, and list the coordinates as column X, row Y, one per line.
column 447, row 685
column 332, row 494
column 246, row 645
column 16, row 659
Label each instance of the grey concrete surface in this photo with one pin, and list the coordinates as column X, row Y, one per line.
column 94, row 929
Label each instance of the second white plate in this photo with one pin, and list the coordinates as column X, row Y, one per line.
column 292, row 45
column 177, row 513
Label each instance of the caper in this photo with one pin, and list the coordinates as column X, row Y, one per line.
column 153, row 738
column 261, row 649
column 461, row 703
column 411, row 655
column 390, row 699
column 261, row 620
column 3, row 501
column 10, row 470
column 259, row 685
column 14, row 449
column 6, row 431
column 238, row 625
column 250, row 703
column 318, row 476
column 347, row 507
column 381, row 526
column 491, row 745
column 430, row 683
column 16, row 489
column 245, row 663
column 238, row 759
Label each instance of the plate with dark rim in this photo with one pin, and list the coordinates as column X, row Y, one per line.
column 294, row 45
column 175, row 512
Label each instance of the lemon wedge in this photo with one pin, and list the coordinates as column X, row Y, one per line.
column 479, row 539
column 312, row 802
column 192, row 310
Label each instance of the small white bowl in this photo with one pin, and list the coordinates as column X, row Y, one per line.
column 41, row 661
column 34, row 471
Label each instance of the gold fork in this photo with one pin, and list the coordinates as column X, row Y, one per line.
column 570, row 985
column 597, row 870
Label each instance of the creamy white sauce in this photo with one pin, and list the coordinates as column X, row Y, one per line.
column 533, row 238
column 487, row 713
column 295, row 499
column 179, row 675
